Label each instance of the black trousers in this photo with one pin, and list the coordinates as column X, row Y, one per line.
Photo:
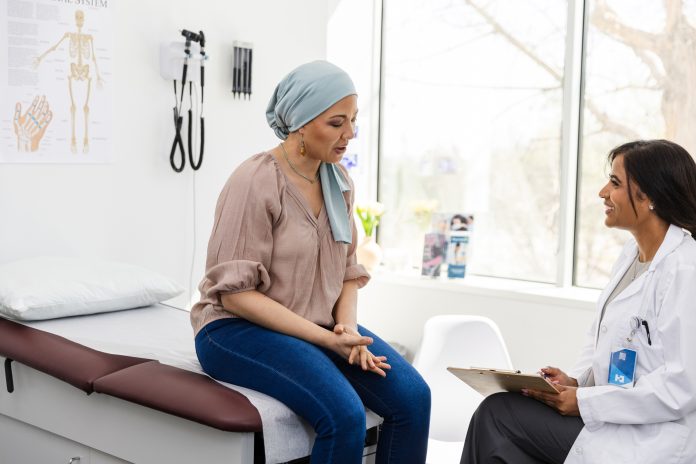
column 508, row 428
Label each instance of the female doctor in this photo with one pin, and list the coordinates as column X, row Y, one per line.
column 631, row 396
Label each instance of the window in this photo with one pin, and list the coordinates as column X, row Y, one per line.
column 350, row 40
column 473, row 107
column 472, row 113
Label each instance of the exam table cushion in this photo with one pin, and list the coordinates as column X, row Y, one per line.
column 52, row 287
column 184, row 394
column 143, row 381
column 56, row 356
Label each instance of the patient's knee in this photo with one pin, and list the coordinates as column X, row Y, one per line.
column 419, row 397
column 415, row 398
column 351, row 420
column 343, row 419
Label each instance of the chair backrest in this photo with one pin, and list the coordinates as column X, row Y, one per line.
column 457, row 341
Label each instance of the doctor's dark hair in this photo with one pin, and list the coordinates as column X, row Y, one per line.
column 666, row 173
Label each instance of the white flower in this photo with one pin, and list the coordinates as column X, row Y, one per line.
column 369, row 214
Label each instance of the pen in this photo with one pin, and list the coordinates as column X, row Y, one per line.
column 647, row 330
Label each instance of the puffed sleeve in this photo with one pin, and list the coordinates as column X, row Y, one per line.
column 241, row 243
column 354, row 271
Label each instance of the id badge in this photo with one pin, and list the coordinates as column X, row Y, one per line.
column 622, row 367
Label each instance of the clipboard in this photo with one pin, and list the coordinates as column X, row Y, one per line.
column 488, row 381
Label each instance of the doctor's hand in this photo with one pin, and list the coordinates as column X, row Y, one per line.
column 565, row 401
column 359, row 354
column 557, row 376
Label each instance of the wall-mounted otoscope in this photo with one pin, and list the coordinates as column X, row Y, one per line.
column 171, row 58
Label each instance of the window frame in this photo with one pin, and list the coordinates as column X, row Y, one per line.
column 571, row 135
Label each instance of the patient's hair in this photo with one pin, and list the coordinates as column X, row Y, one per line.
column 666, row 173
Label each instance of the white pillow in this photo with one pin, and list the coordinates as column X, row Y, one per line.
column 49, row 287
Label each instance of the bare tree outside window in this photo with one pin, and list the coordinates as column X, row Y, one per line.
column 473, row 94
column 640, row 74
column 472, row 123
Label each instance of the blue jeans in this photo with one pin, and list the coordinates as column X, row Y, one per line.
column 320, row 386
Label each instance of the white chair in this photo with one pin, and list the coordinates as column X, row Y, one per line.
column 458, row 341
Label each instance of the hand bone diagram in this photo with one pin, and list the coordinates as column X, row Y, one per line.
column 30, row 127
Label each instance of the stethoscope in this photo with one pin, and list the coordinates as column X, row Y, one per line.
column 636, row 323
column 178, row 104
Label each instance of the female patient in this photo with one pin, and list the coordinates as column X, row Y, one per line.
column 278, row 301
column 631, row 397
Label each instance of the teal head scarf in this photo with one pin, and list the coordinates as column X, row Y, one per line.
column 301, row 96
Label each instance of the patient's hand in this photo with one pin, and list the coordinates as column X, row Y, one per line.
column 368, row 361
column 342, row 342
column 359, row 354
column 557, row 376
column 565, row 401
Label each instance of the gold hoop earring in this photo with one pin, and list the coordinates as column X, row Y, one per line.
column 303, row 150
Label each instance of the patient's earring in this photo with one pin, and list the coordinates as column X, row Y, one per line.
column 303, row 150
column 651, row 207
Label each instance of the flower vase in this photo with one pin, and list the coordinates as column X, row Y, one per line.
column 369, row 253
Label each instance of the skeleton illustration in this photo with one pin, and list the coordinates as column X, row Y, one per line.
column 81, row 49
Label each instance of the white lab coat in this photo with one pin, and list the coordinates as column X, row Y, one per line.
column 655, row 421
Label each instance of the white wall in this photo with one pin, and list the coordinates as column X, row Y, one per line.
column 137, row 209
column 538, row 330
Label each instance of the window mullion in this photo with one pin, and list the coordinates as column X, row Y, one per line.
column 570, row 142
column 377, row 97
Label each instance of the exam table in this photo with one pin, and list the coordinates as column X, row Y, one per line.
column 125, row 387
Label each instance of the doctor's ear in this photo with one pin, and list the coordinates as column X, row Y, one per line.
column 642, row 197
column 637, row 191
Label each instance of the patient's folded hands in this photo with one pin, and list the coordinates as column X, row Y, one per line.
column 359, row 354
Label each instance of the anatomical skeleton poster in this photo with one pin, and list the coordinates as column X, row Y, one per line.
column 56, row 80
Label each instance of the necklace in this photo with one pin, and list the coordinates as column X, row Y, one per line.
column 285, row 155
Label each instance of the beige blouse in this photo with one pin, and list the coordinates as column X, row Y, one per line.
column 266, row 238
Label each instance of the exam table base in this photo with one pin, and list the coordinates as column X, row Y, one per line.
column 47, row 420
